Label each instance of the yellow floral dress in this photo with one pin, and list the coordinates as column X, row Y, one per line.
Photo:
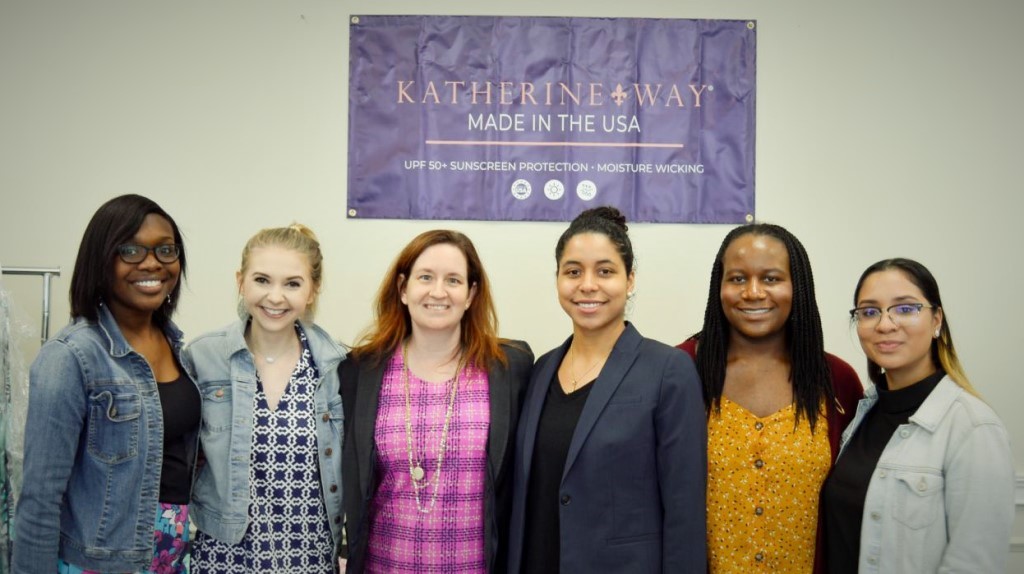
column 764, row 476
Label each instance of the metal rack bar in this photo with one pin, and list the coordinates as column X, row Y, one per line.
column 46, row 273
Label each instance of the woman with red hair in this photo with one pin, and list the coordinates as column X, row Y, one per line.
column 431, row 398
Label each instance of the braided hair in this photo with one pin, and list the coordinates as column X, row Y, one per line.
column 809, row 371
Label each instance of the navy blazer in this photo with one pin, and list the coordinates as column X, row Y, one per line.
column 360, row 390
column 632, row 497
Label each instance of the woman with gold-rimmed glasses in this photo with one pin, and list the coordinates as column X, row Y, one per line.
column 924, row 480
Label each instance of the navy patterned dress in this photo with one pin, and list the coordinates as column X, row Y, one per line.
column 288, row 527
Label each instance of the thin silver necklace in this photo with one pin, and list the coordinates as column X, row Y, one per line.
column 270, row 359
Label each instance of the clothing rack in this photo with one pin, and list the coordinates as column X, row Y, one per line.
column 46, row 273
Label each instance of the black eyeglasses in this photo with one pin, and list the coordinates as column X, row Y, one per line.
column 900, row 313
column 131, row 253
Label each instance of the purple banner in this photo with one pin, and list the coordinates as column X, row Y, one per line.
column 512, row 118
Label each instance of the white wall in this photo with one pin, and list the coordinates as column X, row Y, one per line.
column 884, row 129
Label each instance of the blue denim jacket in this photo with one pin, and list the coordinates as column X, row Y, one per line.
column 93, row 452
column 222, row 366
column 941, row 497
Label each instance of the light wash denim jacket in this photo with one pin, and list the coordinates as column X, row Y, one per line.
column 93, row 452
column 223, row 368
column 941, row 498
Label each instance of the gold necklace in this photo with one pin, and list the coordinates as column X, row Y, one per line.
column 416, row 472
column 572, row 367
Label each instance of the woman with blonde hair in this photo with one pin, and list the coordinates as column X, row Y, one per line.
column 431, row 396
column 924, row 480
column 268, row 498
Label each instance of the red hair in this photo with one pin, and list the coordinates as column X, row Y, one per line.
column 392, row 323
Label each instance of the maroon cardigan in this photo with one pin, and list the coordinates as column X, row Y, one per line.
column 848, row 391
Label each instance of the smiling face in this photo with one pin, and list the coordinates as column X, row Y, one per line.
column 593, row 282
column 141, row 288
column 757, row 289
column 276, row 287
column 437, row 291
column 902, row 349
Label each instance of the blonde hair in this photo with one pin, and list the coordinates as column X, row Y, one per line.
column 949, row 360
column 296, row 237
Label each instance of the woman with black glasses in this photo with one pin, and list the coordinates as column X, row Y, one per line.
column 110, row 440
column 924, row 480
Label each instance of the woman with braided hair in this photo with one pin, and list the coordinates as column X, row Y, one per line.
column 776, row 404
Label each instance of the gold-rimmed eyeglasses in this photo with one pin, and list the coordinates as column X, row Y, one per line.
column 900, row 313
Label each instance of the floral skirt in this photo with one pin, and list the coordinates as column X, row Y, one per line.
column 170, row 543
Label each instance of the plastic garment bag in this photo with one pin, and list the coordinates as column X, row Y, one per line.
column 13, row 410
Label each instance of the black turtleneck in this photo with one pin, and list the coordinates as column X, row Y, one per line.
column 844, row 490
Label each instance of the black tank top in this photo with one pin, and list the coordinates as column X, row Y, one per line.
column 180, row 403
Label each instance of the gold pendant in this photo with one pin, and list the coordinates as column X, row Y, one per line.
column 417, row 473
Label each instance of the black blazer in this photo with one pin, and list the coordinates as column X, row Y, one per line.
column 632, row 498
column 360, row 391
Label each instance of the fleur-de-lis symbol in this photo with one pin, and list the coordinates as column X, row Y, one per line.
column 619, row 95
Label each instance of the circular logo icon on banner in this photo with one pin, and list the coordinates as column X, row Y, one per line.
column 521, row 189
column 586, row 190
column 554, row 189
